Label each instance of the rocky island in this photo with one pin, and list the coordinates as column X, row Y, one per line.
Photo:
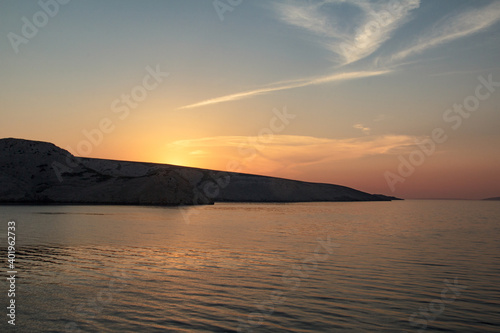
column 34, row 172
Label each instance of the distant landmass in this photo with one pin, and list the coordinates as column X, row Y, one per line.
column 493, row 199
column 41, row 173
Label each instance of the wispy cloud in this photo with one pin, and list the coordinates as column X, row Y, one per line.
column 454, row 27
column 358, row 35
column 284, row 151
column 371, row 23
column 363, row 128
column 472, row 71
column 289, row 85
column 351, row 40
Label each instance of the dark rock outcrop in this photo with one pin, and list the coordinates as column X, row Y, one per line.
column 40, row 172
column 252, row 188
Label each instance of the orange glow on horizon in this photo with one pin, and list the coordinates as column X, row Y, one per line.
column 359, row 163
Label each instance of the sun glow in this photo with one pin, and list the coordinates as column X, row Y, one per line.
column 176, row 159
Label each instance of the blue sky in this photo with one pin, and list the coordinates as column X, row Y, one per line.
column 374, row 76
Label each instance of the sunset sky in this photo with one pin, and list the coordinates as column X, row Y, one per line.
column 334, row 91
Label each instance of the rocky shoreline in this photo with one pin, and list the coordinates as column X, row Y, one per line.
column 34, row 172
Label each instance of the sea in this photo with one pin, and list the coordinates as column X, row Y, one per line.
column 401, row 266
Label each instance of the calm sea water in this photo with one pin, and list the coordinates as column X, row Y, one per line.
column 405, row 266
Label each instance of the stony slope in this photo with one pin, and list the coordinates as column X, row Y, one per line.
column 40, row 172
column 254, row 188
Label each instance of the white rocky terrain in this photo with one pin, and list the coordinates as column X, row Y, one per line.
column 40, row 172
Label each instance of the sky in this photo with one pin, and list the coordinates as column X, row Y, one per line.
column 394, row 97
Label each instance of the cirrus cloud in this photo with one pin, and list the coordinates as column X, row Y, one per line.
column 279, row 152
column 453, row 27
